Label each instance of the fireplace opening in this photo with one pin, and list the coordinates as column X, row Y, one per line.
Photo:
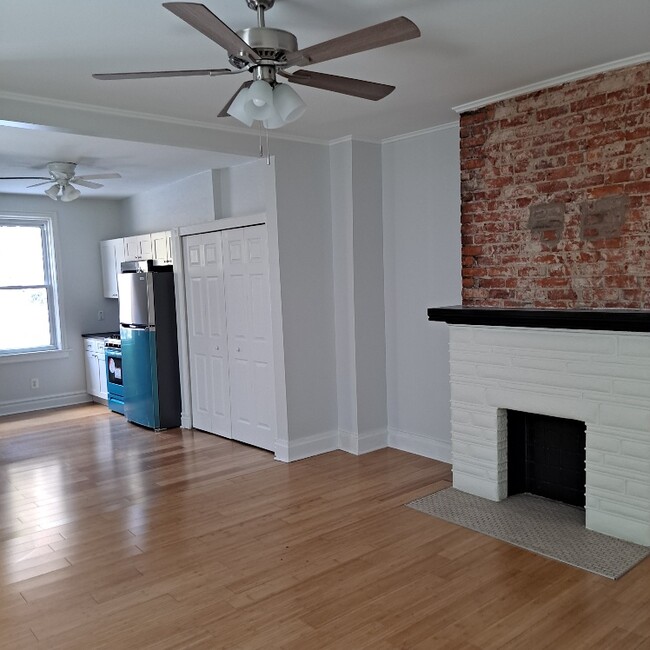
column 546, row 456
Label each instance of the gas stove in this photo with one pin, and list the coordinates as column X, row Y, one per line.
column 112, row 340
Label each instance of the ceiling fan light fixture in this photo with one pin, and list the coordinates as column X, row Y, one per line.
column 288, row 103
column 274, row 121
column 259, row 100
column 238, row 108
column 53, row 192
column 70, row 193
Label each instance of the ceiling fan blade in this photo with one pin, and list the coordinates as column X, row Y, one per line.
column 202, row 19
column 392, row 31
column 224, row 110
column 164, row 73
column 83, row 183
column 88, row 177
column 49, row 181
column 23, row 178
column 344, row 85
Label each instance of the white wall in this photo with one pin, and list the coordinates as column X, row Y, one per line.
column 80, row 226
column 188, row 201
column 239, row 191
column 421, row 197
column 356, row 197
column 343, row 279
column 305, row 253
column 369, row 290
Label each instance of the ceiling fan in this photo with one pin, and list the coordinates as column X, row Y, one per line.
column 63, row 178
column 267, row 52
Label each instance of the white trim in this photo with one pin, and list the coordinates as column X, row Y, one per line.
column 46, row 402
column 416, row 443
column 222, row 224
column 553, row 81
column 417, row 134
column 41, row 355
column 364, row 442
column 288, row 451
column 352, row 138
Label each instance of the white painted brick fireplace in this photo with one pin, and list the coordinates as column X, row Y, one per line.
column 599, row 377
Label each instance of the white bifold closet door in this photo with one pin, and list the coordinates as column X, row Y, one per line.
column 229, row 312
column 206, row 328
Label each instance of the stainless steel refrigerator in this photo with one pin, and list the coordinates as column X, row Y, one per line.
column 151, row 378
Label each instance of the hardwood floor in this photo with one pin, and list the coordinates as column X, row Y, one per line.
column 113, row 536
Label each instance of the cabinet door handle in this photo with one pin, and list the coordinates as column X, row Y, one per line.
column 238, row 349
column 218, row 348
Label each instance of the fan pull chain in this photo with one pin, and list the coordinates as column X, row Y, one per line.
column 261, row 151
column 264, row 131
column 268, row 151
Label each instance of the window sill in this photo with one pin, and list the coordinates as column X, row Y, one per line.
column 41, row 355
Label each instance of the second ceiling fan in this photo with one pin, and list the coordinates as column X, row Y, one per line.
column 267, row 52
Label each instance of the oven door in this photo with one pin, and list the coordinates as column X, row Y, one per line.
column 114, row 380
column 114, row 368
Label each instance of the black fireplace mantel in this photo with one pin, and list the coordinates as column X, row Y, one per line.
column 619, row 320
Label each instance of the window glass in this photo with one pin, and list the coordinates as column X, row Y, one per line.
column 21, row 255
column 28, row 306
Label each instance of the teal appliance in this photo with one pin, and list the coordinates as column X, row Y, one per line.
column 150, row 374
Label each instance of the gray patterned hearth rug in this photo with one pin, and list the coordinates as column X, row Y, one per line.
column 550, row 528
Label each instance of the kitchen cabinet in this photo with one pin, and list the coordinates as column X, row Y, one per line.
column 161, row 246
column 95, row 362
column 138, row 247
column 112, row 256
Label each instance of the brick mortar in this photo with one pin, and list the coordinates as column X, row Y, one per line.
column 569, row 145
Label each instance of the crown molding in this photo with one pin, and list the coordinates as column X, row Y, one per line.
column 553, row 81
column 417, row 134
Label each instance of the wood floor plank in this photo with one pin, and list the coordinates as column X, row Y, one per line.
column 113, row 536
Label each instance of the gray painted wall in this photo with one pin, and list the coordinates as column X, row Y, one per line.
column 343, row 279
column 80, row 226
column 188, row 201
column 370, row 333
column 421, row 196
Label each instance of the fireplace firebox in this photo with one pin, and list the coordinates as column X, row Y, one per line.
column 546, row 457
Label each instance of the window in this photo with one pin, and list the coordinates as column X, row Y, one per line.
column 29, row 320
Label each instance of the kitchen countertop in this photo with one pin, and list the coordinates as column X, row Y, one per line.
column 100, row 335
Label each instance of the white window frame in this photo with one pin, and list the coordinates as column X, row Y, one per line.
column 47, row 223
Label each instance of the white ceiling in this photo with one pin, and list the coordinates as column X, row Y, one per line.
column 469, row 49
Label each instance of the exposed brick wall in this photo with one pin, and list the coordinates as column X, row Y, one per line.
column 555, row 190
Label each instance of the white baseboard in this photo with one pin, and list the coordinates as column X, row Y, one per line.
column 45, row 402
column 364, row 442
column 289, row 450
column 416, row 443
column 186, row 421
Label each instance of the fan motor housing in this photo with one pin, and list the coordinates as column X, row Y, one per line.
column 269, row 43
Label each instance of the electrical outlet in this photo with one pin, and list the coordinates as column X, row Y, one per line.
column 100, row 315
column 34, row 383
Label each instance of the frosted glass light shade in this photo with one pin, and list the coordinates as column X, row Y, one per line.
column 70, row 193
column 274, row 121
column 237, row 108
column 53, row 192
column 288, row 103
column 259, row 101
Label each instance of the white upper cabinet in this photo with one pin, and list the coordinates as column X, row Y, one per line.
column 138, row 247
column 112, row 256
column 161, row 245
